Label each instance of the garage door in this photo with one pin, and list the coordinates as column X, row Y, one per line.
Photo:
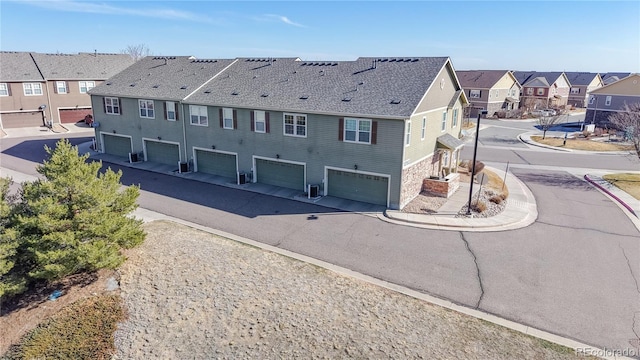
column 68, row 116
column 359, row 187
column 216, row 163
column 116, row 145
column 280, row 174
column 163, row 153
column 18, row 120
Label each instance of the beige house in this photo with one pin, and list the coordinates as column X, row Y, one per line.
column 611, row 99
column 495, row 91
column 43, row 89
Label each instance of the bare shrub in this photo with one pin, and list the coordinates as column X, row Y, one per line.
column 496, row 199
column 479, row 206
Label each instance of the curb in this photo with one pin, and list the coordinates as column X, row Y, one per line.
column 606, row 191
column 533, row 143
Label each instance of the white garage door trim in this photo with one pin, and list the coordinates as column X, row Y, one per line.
column 144, row 146
column 102, row 134
column 195, row 157
column 326, row 178
column 255, row 172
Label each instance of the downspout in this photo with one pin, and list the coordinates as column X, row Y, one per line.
column 46, row 82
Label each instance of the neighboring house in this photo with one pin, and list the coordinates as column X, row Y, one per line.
column 36, row 89
column 611, row 99
column 491, row 90
column 367, row 130
column 543, row 89
column 612, row 77
column 582, row 83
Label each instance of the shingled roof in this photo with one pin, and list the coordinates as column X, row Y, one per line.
column 82, row 66
column 162, row 77
column 390, row 87
column 580, row 78
column 480, row 79
column 18, row 67
column 536, row 78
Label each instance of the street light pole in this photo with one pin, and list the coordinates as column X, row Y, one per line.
column 473, row 164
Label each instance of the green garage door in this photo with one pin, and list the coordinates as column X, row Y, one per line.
column 280, row 174
column 359, row 187
column 216, row 163
column 163, row 153
column 116, row 145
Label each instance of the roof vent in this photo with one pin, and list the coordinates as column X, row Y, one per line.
column 183, row 87
column 346, row 99
column 207, row 91
column 156, row 86
column 108, row 83
column 234, row 93
column 304, row 97
column 395, row 101
column 132, row 85
column 264, row 95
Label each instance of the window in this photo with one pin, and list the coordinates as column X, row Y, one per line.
column 513, row 92
column 86, row 86
column 591, row 99
column 227, row 118
column 540, row 91
column 575, row 90
column 496, row 94
column 31, row 89
column 407, row 137
column 112, row 105
column 424, row 128
column 474, row 94
column 529, row 91
column 295, row 125
column 198, row 115
column 259, row 122
column 454, row 121
column 146, row 109
column 4, row 89
column 443, row 127
column 170, row 111
column 61, row 87
column 607, row 101
column 357, row 130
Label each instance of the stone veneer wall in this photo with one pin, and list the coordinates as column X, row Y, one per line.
column 412, row 178
column 442, row 188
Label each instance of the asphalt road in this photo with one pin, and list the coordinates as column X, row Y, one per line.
column 573, row 272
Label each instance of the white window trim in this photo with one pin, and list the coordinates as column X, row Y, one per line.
column 424, row 128
column 591, row 99
column 31, row 87
column 86, row 86
column 538, row 92
column 106, row 107
column 443, row 122
column 4, row 89
column 358, row 121
column 259, row 116
column 454, row 119
column 407, row 133
column 146, row 108
column 607, row 101
column 199, row 108
column 295, row 125
column 225, row 112
column 63, row 87
column 175, row 110
column 475, row 94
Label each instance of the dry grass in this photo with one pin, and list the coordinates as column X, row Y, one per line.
column 582, row 144
column 495, row 183
column 630, row 183
column 83, row 330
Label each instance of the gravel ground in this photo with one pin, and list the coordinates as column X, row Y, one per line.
column 192, row 295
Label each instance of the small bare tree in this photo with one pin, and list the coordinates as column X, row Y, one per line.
column 136, row 52
column 547, row 121
column 628, row 121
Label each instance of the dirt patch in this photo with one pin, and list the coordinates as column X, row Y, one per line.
column 20, row 314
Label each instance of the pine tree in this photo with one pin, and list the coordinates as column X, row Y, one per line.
column 11, row 281
column 76, row 218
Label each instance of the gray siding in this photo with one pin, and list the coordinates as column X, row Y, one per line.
column 320, row 148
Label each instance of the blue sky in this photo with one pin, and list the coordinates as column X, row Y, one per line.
column 590, row 36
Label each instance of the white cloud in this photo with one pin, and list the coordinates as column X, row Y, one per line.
column 284, row 19
column 103, row 8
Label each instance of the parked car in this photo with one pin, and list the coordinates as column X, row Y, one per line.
column 544, row 112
